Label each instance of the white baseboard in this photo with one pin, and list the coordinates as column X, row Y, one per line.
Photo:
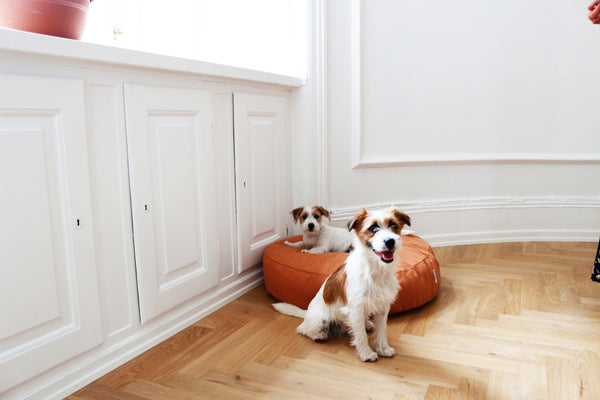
column 505, row 236
column 77, row 373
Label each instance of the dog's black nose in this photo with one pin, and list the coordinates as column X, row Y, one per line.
column 389, row 243
column 311, row 226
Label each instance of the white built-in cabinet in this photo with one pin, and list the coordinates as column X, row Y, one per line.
column 171, row 166
column 128, row 210
column 48, row 290
column 261, row 157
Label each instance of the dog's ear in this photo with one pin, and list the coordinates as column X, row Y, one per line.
column 358, row 220
column 296, row 213
column 322, row 211
column 401, row 217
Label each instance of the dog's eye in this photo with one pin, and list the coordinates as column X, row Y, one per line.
column 304, row 217
column 374, row 228
column 393, row 226
column 316, row 216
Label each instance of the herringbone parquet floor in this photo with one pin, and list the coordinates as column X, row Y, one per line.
column 511, row 321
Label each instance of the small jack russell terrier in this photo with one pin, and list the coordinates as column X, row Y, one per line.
column 318, row 237
column 364, row 287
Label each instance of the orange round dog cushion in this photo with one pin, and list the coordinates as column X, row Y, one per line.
column 295, row 277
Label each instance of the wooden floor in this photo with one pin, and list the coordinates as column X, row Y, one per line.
column 511, row 321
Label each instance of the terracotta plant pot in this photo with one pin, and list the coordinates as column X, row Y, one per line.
column 64, row 18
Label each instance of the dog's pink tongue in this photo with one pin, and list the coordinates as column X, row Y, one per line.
column 386, row 255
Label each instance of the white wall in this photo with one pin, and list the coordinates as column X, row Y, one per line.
column 480, row 119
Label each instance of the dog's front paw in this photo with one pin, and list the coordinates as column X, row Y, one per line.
column 367, row 355
column 288, row 243
column 386, row 351
column 314, row 250
column 305, row 251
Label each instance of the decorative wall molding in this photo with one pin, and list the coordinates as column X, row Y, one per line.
column 340, row 215
column 356, row 83
column 464, row 159
column 317, row 109
column 360, row 160
column 447, row 205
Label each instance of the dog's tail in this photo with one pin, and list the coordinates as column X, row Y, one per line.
column 289, row 309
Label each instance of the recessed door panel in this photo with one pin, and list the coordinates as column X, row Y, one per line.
column 176, row 193
column 169, row 134
column 261, row 172
column 263, row 138
column 48, row 289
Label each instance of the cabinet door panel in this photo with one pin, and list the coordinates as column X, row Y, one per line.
column 48, row 288
column 171, row 166
column 261, row 171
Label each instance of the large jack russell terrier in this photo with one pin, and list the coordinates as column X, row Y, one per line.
column 364, row 287
column 318, row 237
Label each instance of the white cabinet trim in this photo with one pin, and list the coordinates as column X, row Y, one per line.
column 74, row 50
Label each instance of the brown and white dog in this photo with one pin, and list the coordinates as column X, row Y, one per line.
column 364, row 287
column 317, row 236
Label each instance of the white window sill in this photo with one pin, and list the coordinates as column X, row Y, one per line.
column 32, row 43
